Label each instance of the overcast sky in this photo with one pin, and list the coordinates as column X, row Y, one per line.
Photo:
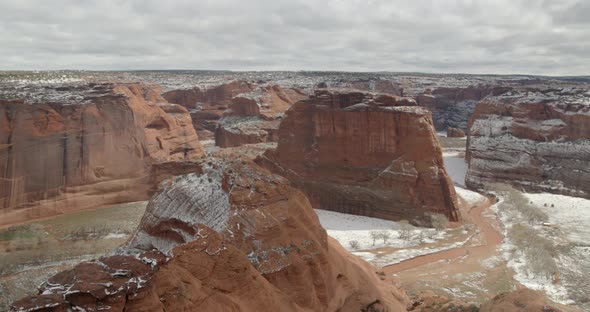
column 487, row 36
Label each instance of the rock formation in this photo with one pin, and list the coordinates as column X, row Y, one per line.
column 368, row 85
column 537, row 139
column 455, row 133
column 232, row 238
column 452, row 107
column 59, row 157
column 364, row 154
column 255, row 117
column 207, row 106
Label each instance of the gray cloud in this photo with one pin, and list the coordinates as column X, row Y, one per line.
column 469, row 36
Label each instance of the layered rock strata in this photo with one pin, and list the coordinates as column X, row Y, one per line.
column 206, row 106
column 232, row 238
column 61, row 157
column 537, row 139
column 255, row 117
column 452, row 107
column 364, row 154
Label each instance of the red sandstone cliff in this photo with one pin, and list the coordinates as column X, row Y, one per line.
column 56, row 158
column 365, row 154
column 255, row 117
column 537, row 138
column 234, row 238
column 207, row 106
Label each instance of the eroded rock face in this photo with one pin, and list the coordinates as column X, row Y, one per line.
column 537, row 139
column 233, row 238
column 207, row 106
column 364, row 154
column 58, row 158
column 255, row 117
column 452, row 107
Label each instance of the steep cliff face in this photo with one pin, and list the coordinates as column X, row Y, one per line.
column 255, row 117
column 58, row 157
column 365, row 154
column 207, row 106
column 537, row 139
column 452, row 107
column 232, row 238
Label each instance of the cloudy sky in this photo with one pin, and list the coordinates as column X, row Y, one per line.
column 469, row 36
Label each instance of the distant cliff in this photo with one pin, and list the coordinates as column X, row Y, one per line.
column 537, row 139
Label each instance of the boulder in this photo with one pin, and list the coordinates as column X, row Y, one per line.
column 455, row 133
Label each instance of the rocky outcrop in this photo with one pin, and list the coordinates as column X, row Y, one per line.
column 364, row 154
column 255, row 117
column 206, row 106
column 232, row 238
column 452, row 107
column 61, row 157
column 537, row 139
column 455, row 133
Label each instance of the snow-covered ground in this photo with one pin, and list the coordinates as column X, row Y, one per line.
column 569, row 230
column 572, row 214
column 346, row 228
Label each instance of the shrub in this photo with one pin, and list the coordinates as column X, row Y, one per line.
column 405, row 230
column 354, row 244
column 439, row 221
column 374, row 236
column 385, row 236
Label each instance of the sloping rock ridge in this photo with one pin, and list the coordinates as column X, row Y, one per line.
column 114, row 147
column 537, row 139
column 366, row 154
column 231, row 238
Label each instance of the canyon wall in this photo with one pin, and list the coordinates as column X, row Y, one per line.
column 232, row 238
column 206, row 106
column 452, row 107
column 255, row 117
column 115, row 147
column 364, row 154
column 537, row 139
column 366, row 85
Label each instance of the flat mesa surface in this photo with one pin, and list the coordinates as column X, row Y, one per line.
column 30, row 253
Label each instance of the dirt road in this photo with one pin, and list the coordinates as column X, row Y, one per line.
column 489, row 237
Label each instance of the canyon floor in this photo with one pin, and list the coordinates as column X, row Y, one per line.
column 471, row 262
